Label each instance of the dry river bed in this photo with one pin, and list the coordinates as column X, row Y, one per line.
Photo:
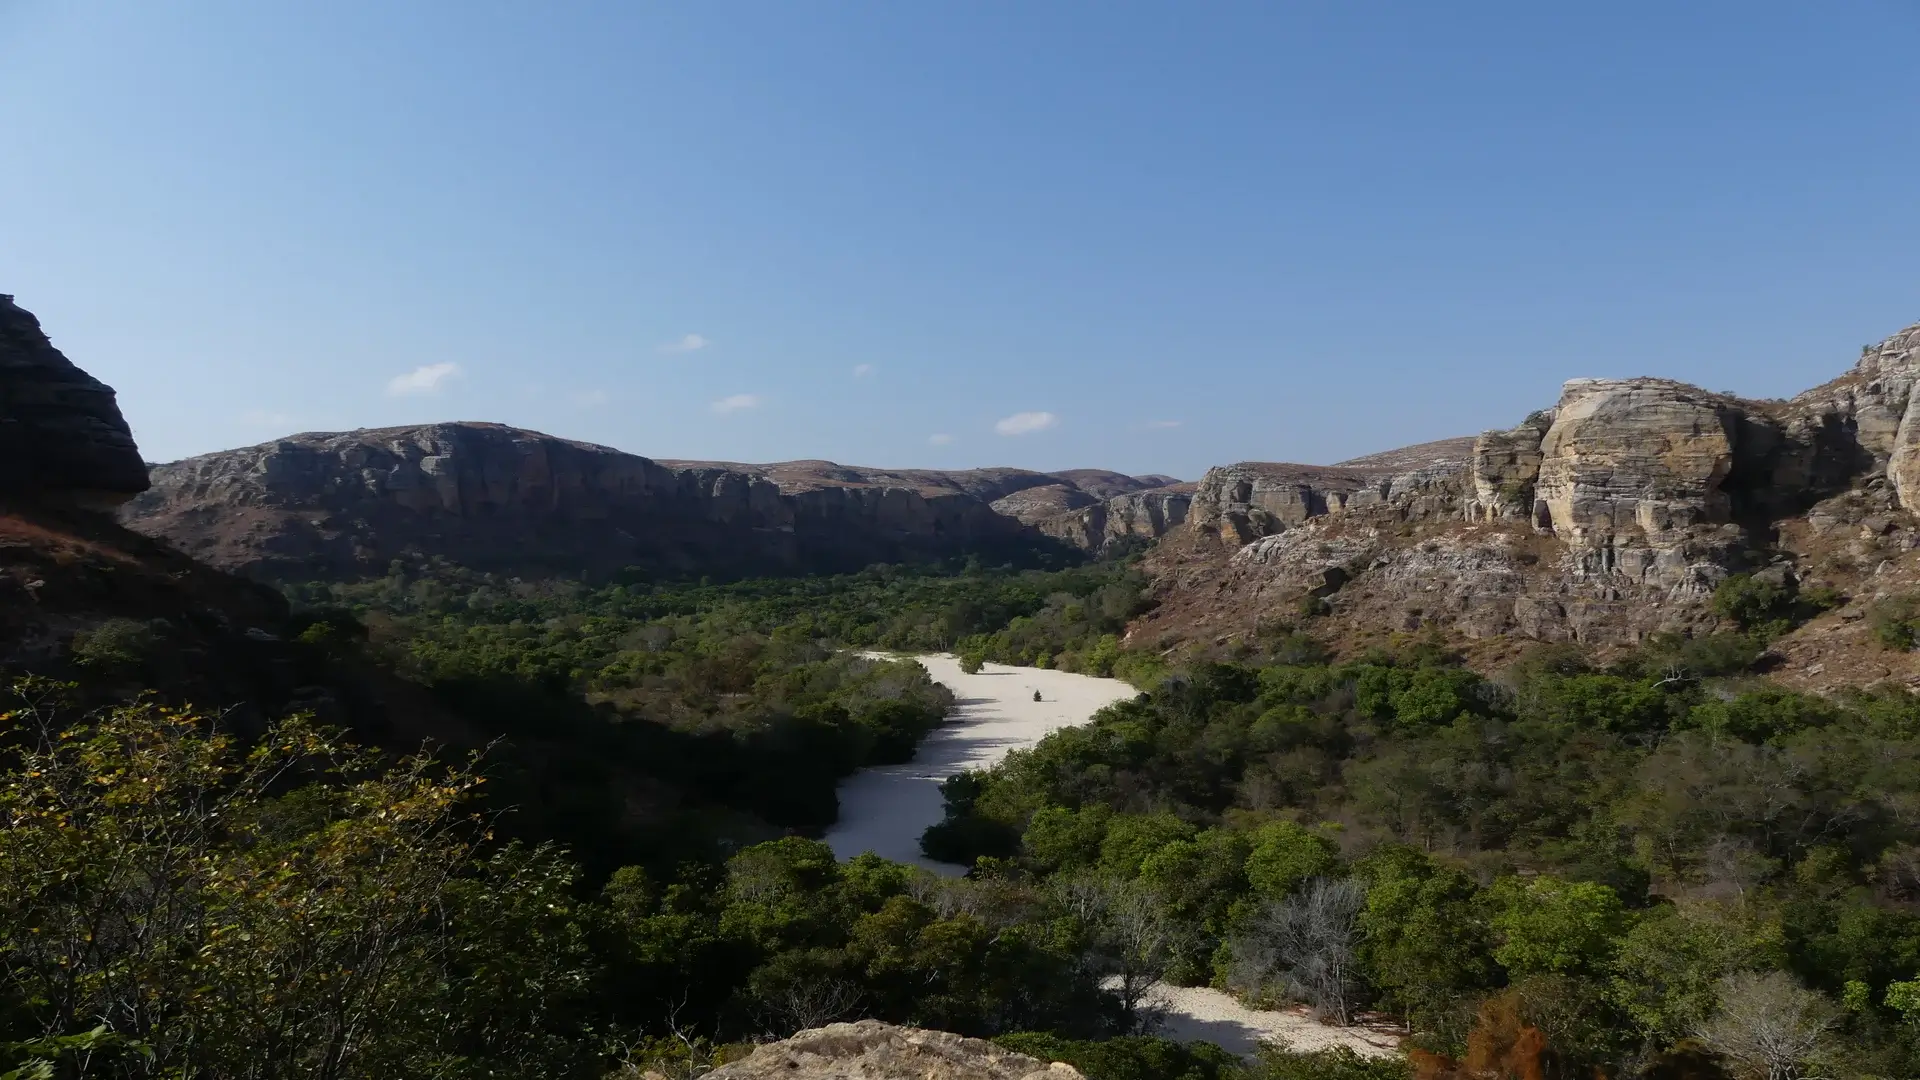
column 885, row 809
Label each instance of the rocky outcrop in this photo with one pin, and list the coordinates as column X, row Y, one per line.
column 1241, row 503
column 871, row 1050
column 1135, row 518
column 1505, row 466
column 61, row 433
column 1632, row 474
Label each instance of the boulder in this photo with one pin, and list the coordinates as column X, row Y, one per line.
column 871, row 1050
column 1631, row 476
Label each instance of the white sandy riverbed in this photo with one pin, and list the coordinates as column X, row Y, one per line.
column 1203, row 1014
column 884, row 810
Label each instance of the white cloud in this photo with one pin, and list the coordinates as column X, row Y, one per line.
column 940, row 439
column 687, row 343
column 861, row 371
column 591, row 399
column 265, row 418
column 1026, row 423
column 737, row 402
column 1162, row 425
column 425, row 379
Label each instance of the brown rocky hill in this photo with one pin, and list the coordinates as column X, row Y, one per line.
column 872, row 1050
column 344, row 504
column 1612, row 515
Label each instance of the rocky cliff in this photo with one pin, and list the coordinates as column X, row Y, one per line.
column 61, row 433
column 344, row 504
column 1609, row 516
column 67, row 571
column 871, row 1050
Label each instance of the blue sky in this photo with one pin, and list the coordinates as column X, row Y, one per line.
column 1151, row 237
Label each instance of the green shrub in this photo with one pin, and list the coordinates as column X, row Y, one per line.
column 1131, row 1057
column 1895, row 622
column 1753, row 603
column 122, row 645
column 1338, row 1063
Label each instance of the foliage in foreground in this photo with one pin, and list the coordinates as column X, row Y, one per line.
column 291, row 908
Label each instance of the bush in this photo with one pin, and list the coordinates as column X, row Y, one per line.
column 1131, row 1057
column 1338, row 1063
column 119, row 645
column 1754, row 603
column 1895, row 622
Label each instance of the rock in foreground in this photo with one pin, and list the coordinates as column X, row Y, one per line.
column 871, row 1050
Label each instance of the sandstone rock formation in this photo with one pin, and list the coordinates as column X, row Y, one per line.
column 871, row 1050
column 61, row 433
column 1242, row 503
column 345, row 504
column 1085, row 521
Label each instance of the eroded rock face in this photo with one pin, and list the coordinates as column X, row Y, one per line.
column 1241, row 503
column 871, row 1050
column 1137, row 517
column 1505, row 466
column 61, row 432
column 1631, row 475
column 489, row 496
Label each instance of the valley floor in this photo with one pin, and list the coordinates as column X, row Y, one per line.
column 885, row 809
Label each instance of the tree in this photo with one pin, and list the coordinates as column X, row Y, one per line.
column 197, row 898
column 1304, row 945
column 1285, row 856
column 1769, row 1027
column 1424, row 939
column 1668, row 970
column 1131, row 939
column 1562, row 927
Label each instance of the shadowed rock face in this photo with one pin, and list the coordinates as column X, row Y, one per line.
column 61, row 434
column 872, row 1050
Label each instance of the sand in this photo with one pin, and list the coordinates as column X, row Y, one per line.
column 884, row 810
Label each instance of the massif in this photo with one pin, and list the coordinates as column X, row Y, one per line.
column 1611, row 515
